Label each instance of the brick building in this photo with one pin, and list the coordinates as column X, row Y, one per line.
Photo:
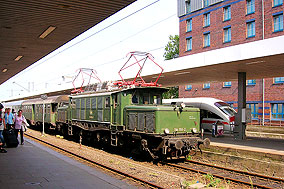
column 213, row 24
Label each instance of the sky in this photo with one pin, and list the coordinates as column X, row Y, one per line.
column 103, row 48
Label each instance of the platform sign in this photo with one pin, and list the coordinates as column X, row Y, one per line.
column 246, row 115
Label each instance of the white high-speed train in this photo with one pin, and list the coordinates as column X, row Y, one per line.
column 211, row 111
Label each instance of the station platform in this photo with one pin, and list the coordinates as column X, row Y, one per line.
column 254, row 144
column 35, row 166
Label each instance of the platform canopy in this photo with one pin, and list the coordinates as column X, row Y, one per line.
column 31, row 29
column 259, row 59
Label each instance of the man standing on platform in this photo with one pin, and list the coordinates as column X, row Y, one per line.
column 9, row 119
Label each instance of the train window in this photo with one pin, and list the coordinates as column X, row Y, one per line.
column 83, row 103
column 134, row 99
column 107, row 102
column 100, row 102
column 208, row 114
column 146, row 99
column 213, row 115
column 88, row 103
column 47, row 108
column 157, row 99
column 53, row 107
column 94, row 103
column 78, row 103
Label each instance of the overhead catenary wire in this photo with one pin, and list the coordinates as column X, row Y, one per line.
column 120, row 41
column 105, row 63
column 114, row 44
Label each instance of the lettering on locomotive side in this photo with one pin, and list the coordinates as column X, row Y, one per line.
column 180, row 129
column 192, row 117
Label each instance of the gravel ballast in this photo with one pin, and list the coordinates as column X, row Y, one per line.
column 164, row 176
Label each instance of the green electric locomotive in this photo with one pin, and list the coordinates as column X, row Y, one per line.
column 132, row 119
column 126, row 114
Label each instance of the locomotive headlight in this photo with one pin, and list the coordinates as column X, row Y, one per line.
column 194, row 130
column 167, row 131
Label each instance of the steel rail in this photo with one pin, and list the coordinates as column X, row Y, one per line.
column 238, row 171
column 97, row 163
column 225, row 177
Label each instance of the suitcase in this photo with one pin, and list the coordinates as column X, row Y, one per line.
column 10, row 138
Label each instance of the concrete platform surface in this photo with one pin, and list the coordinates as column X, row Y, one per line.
column 35, row 166
column 265, row 145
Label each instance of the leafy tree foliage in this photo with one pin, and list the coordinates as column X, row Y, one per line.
column 172, row 93
column 172, row 51
column 172, row 48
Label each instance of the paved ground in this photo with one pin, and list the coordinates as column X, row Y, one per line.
column 35, row 166
column 275, row 146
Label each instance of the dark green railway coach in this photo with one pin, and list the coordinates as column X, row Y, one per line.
column 33, row 109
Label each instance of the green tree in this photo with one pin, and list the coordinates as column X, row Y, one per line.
column 172, row 51
column 172, row 48
column 172, row 93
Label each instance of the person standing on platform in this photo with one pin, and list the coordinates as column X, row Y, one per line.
column 19, row 121
column 2, row 127
column 9, row 119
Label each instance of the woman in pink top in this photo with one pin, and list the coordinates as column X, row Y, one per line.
column 19, row 119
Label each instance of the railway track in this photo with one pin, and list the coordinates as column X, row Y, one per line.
column 152, row 185
column 242, row 177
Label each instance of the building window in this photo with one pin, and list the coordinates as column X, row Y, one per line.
column 188, row 6
column 227, row 84
column 227, row 34
column 206, row 85
column 277, row 3
column 189, row 43
column 278, row 22
column 277, row 111
column 254, row 110
column 189, row 25
column 206, row 40
column 206, row 20
column 250, row 29
column 250, row 6
column 277, row 80
column 251, row 82
column 188, row 87
column 227, row 13
column 205, row 3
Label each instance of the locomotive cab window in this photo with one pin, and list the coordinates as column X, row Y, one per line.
column 157, row 99
column 135, row 99
column 146, row 98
